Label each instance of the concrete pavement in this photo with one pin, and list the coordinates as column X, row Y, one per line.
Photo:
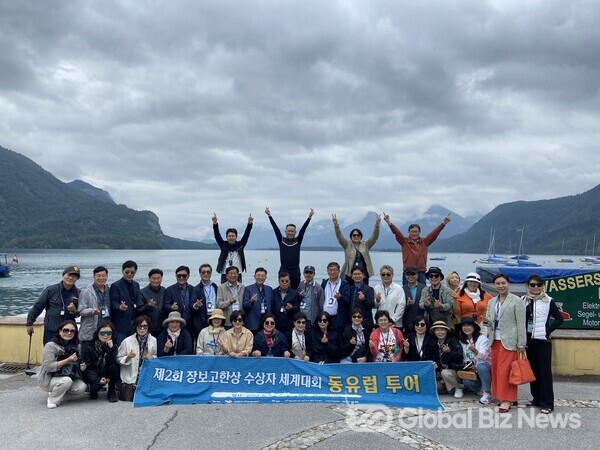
column 27, row 423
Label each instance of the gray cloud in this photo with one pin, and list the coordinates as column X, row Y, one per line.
column 188, row 108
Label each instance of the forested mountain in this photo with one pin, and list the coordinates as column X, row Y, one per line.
column 37, row 210
column 574, row 219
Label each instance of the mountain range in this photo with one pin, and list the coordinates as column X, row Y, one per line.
column 37, row 210
column 321, row 235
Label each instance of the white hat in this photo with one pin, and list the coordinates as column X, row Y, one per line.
column 174, row 316
column 473, row 277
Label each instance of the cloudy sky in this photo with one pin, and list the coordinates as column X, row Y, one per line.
column 190, row 107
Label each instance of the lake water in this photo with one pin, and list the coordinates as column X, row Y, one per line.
column 38, row 269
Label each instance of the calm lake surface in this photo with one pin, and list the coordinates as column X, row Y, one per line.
column 38, row 269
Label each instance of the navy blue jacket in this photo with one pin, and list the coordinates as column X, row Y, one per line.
column 253, row 309
column 412, row 311
column 183, row 346
column 173, row 295
column 119, row 291
column 343, row 314
column 279, row 348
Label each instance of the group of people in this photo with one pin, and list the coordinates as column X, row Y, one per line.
column 470, row 337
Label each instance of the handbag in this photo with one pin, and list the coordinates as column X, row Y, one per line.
column 126, row 392
column 468, row 372
column 520, row 371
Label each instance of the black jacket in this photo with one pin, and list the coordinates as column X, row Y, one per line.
column 348, row 349
column 453, row 359
column 365, row 305
column 328, row 353
column 155, row 313
column 413, row 354
column 238, row 246
column 283, row 317
column 550, row 326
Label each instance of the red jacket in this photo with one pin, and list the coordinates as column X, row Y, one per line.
column 415, row 255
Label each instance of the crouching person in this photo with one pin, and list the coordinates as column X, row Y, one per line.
column 476, row 373
column 447, row 356
column 60, row 373
column 100, row 358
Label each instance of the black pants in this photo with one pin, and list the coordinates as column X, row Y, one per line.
column 294, row 275
column 539, row 354
column 93, row 375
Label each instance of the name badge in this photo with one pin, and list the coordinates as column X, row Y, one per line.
column 302, row 304
column 263, row 309
column 209, row 306
column 330, row 302
column 104, row 312
column 530, row 327
column 62, row 313
column 282, row 309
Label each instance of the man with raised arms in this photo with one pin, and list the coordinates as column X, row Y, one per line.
column 289, row 247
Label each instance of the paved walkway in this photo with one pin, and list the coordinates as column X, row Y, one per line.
column 27, row 423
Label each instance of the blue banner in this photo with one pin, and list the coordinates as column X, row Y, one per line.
column 222, row 379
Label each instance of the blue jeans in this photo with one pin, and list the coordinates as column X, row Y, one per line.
column 485, row 378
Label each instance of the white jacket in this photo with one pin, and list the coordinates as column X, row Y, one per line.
column 394, row 301
column 129, row 369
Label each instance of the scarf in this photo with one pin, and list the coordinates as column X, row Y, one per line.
column 475, row 296
column 213, row 330
column 174, row 336
column 269, row 339
column 529, row 297
column 143, row 343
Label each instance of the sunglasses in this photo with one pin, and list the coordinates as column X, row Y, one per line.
column 301, row 322
column 421, row 324
column 239, row 319
column 269, row 322
column 386, row 274
column 68, row 330
column 206, row 272
column 323, row 321
column 142, row 327
column 129, row 272
column 536, row 284
column 410, row 274
column 355, row 235
column 284, row 281
column 357, row 316
column 308, row 271
column 433, row 276
column 105, row 333
column 181, row 276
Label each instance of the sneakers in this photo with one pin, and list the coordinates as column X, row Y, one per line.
column 486, row 398
column 458, row 393
column 112, row 396
column 50, row 404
